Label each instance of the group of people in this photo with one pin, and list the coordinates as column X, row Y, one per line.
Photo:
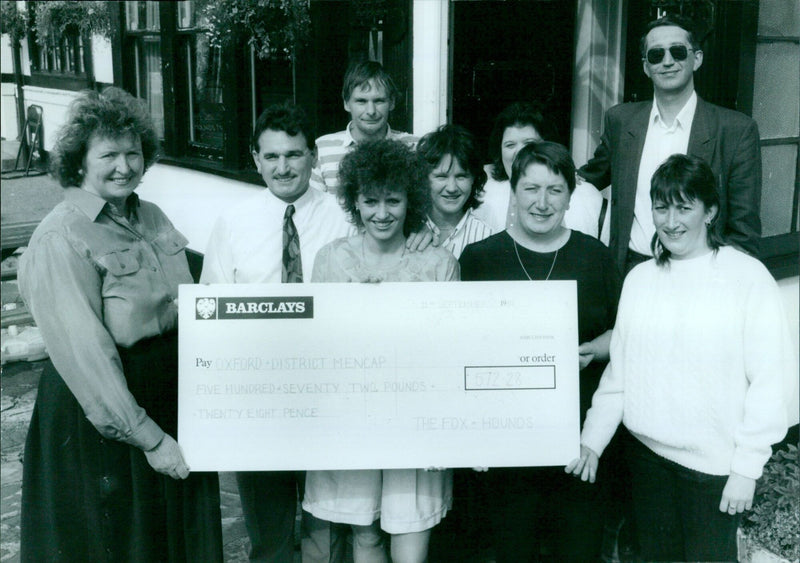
column 692, row 353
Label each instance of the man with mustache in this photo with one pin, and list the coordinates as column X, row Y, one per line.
column 272, row 237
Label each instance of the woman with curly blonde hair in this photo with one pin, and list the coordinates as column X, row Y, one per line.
column 103, row 477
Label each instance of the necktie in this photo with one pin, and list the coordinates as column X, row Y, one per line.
column 292, row 266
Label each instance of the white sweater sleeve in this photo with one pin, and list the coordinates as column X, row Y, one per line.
column 770, row 372
column 605, row 413
column 607, row 407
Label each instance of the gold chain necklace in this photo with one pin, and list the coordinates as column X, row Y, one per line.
column 516, row 251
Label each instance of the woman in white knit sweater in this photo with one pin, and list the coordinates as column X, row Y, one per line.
column 700, row 360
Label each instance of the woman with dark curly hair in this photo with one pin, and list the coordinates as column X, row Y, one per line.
column 103, row 477
column 384, row 186
column 457, row 179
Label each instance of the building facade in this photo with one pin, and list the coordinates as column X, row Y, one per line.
column 457, row 61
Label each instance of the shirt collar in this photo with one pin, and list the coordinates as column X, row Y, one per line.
column 684, row 117
column 460, row 225
column 349, row 140
column 300, row 203
column 92, row 205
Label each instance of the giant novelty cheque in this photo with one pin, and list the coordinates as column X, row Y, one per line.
column 387, row 375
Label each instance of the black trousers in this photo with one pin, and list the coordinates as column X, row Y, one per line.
column 676, row 510
column 531, row 506
column 269, row 505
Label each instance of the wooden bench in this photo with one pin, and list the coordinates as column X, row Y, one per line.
column 15, row 235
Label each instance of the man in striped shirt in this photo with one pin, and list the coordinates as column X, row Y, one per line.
column 369, row 95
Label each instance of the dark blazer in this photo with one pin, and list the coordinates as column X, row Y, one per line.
column 726, row 139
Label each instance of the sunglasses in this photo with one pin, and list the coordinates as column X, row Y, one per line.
column 678, row 53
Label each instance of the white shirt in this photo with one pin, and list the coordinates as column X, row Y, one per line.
column 661, row 142
column 246, row 243
column 497, row 210
column 468, row 230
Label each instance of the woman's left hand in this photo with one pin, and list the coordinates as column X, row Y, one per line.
column 586, row 354
column 167, row 458
column 737, row 496
column 585, row 466
column 596, row 349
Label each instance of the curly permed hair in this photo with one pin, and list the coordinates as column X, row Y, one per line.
column 112, row 113
column 376, row 166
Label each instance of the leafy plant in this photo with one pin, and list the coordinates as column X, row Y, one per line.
column 14, row 22
column 55, row 19
column 775, row 519
column 273, row 27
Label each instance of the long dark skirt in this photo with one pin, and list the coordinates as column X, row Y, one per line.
column 88, row 498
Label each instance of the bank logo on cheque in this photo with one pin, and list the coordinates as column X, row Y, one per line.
column 206, row 307
column 255, row 307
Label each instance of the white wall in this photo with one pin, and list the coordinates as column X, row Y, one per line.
column 54, row 105
column 9, row 128
column 6, row 55
column 102, row 60
column 430, row 61
column 192, row 199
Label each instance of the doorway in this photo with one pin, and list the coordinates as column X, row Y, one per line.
column 509, row 51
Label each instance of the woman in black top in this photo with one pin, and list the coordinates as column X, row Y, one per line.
column 528, row 504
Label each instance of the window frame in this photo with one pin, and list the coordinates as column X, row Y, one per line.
column 232, row 159
column 60, row 79
column 780, row 253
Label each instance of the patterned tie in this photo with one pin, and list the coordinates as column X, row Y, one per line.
column 292, row 266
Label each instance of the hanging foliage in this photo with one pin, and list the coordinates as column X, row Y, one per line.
column 58, row 18
column 273, row 27
column 14, row 22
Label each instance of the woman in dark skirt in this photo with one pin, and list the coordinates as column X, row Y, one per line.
column 103, row 477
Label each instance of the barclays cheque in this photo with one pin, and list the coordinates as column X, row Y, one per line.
column 390, row 375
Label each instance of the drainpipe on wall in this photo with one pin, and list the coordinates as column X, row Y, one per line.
column 15, row 48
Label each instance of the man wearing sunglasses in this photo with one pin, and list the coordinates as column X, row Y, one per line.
column 639, row 136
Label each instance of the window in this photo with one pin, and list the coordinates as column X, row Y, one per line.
column 66, row 65
column 66, row 57
column 203, row 76
column 169, row 62
column 776, row 108
column 205, row 99
column 143, row 27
